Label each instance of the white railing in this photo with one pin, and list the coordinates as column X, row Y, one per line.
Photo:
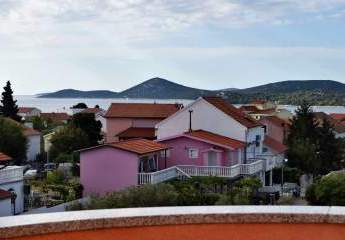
column 271, row 160
column 161, row 176
column 201, row 171
column 11, row 174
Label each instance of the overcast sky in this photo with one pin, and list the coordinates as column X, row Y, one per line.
column 47, row 45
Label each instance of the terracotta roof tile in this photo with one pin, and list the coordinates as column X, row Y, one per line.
column 248, row 108
column 139, row 146
column 338, row 116
column 274, row 144
column 56, row 117
column 141, row 110
column 217, row 139
column 25, row 109
column 4, row 157
column 4, row 194
column 232, row 111
column 133, row 132
column 338, row 126
column 276, row 121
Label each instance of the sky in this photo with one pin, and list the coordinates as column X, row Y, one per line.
column 47, row 45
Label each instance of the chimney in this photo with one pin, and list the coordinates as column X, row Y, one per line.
column 190, row 120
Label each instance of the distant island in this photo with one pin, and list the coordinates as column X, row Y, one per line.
column 317, row 92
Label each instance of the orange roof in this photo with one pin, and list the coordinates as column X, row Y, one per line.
column 4, row 157
column 141, row 110
column 4, row 194
column 30, row 132
column 138, row 146
column 274, row 144
column 138, row 133
column 276, row 121
column 232, row 111
column 25, row 109
column 249, row 108
column 338, row 116
column 58, row 117
column 216, row 139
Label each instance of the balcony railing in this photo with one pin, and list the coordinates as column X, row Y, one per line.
column 11, row 174
column 201, row 171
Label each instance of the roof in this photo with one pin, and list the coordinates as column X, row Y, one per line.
column 4, row 194
column 138, row 146
column 30, row 132
column 25, row 109
column 274, row 144
column 338, row 116
column 338, row 126
column 248, row 108
column 92, row 110
column 276, row 121
column 141, row 110
column 4, row 157
column 258, row 101
column 134, row 132
column 232, row 111
column 58, row 117
column 216, row 139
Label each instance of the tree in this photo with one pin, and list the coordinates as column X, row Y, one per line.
column 303, row 141
column 38, row 123
column 9, row 107
column 12, row 140
column 80, row 105
column 66, row 141
column 88, row 123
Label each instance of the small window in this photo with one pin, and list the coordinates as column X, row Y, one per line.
column 264, row 149
column 257, row 140
column 167, row 152
column 193, row 153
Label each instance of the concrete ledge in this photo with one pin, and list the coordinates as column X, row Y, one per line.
column 41, row 224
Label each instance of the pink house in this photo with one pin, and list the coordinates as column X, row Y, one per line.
column 112, row 167
column 276, row 128
column 133, row 120
column 202, row 148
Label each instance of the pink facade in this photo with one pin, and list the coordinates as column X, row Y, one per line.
column 207, row 154
column 118, row 125
column 107, row 169
column 273, row 130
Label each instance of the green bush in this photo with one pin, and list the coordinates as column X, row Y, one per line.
column 328, row 191
column 290, row 175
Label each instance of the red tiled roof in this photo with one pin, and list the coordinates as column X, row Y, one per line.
column 4, row 157
column 56, row 117
column 248, row 108
column 338, row 126
column 139, row 146
column 232, row 111
column 4, row 194
column 25, row 109
column 338, row 116
column 133, row 132
column 215, row 138
column 30, row 132
column 274, row 144
column 141, row 110
column 276, row 121
column 92, row 110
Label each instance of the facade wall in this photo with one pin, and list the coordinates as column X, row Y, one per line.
column 5, row 207
column 18, row 188
column 274, row 131
column 34, row 147
column 252, row 133
column 205, row 117
column 179, row 153
column 107, row 169
column 115, row 126
column 145, row 123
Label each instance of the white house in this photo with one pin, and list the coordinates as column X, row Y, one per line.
column 214, row 114
column 34, row 143
column 28, row 112
column 11, row 188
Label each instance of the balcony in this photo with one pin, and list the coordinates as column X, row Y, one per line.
column 201, row 171
column 206, row 222
column 11, row 174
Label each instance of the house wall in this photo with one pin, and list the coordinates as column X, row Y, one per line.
column 107, row 169
column 5, row 207
column 206, row 117
column 253, row 150
column 179, row 153
column 18, row 188
column 273, row 131
column 33, row 113
column 34, row 147
column 145, row 123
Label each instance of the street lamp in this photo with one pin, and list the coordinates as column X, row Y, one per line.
column 284, row 161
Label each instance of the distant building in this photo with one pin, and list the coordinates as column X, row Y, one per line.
column 339, row 126
column 259, row 109
column 54, row 117
column 276, row 128
column 338, row 116
column 135, row 117
column 27, row 113
column 34, row 143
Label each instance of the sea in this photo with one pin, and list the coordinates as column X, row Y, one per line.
column 65, row 104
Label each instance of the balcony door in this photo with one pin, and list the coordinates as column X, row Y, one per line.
column 212, row 158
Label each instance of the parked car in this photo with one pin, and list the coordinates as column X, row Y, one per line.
column 50, row 167
column 31, row 173
column 292, row 188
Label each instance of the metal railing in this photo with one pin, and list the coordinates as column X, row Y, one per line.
column 201, row 171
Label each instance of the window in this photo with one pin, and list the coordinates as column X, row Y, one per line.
column 167, row 153
column 265, row 149
column 193, row 153
column 257, row 140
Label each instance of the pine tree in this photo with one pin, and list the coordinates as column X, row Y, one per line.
column 8, row 107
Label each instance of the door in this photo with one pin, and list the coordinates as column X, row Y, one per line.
column 212, row 158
